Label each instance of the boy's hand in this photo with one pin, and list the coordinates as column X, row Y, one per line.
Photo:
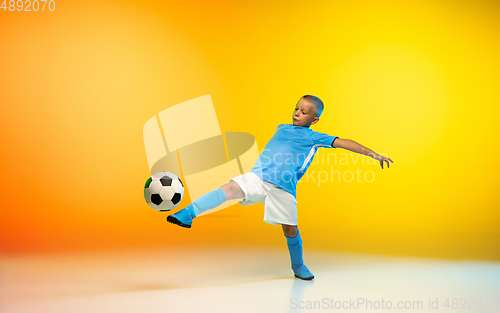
column 381, row 159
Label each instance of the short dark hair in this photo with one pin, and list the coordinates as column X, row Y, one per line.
column 317, row 103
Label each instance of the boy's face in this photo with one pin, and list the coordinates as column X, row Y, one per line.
column 304, row 114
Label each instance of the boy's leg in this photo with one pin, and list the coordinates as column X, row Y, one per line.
column 233, row 191
column 206, row 202
column 294, row 243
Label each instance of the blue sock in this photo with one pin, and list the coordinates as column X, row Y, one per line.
column 209, row 201
column 295, row 249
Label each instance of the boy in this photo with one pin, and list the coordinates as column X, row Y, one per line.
column 273, row 179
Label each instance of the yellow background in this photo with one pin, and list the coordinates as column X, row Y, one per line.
column 417, row 81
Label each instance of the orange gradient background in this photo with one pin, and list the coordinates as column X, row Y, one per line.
column 417, row 82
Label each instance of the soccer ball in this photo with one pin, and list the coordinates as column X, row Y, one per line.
column 163, row 191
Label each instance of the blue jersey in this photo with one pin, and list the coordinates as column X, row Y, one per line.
column 288, row 154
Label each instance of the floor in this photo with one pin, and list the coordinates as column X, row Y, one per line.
column 243, row 279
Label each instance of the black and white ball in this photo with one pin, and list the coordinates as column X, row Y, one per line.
column 163, row 191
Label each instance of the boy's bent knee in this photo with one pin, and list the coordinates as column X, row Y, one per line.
column 289, row 230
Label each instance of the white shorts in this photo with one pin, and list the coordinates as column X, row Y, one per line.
column 280, row 206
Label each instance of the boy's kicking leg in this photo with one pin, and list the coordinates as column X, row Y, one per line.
column 294, row 243
column 206, row 202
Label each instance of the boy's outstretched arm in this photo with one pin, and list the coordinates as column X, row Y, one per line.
column 353, row 146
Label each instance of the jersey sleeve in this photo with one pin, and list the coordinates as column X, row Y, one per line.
column 323, row 140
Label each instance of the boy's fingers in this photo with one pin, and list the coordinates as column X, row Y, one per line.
column 386, row 160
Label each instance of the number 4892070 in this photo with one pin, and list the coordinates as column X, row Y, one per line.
column 28, row 5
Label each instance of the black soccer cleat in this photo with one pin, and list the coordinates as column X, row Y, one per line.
column 173, row 220
column 303, row 272
column 305, row 278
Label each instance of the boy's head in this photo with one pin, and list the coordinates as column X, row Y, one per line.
column 307, row 111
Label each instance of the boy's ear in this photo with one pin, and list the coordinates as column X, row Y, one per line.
column 315, row 120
